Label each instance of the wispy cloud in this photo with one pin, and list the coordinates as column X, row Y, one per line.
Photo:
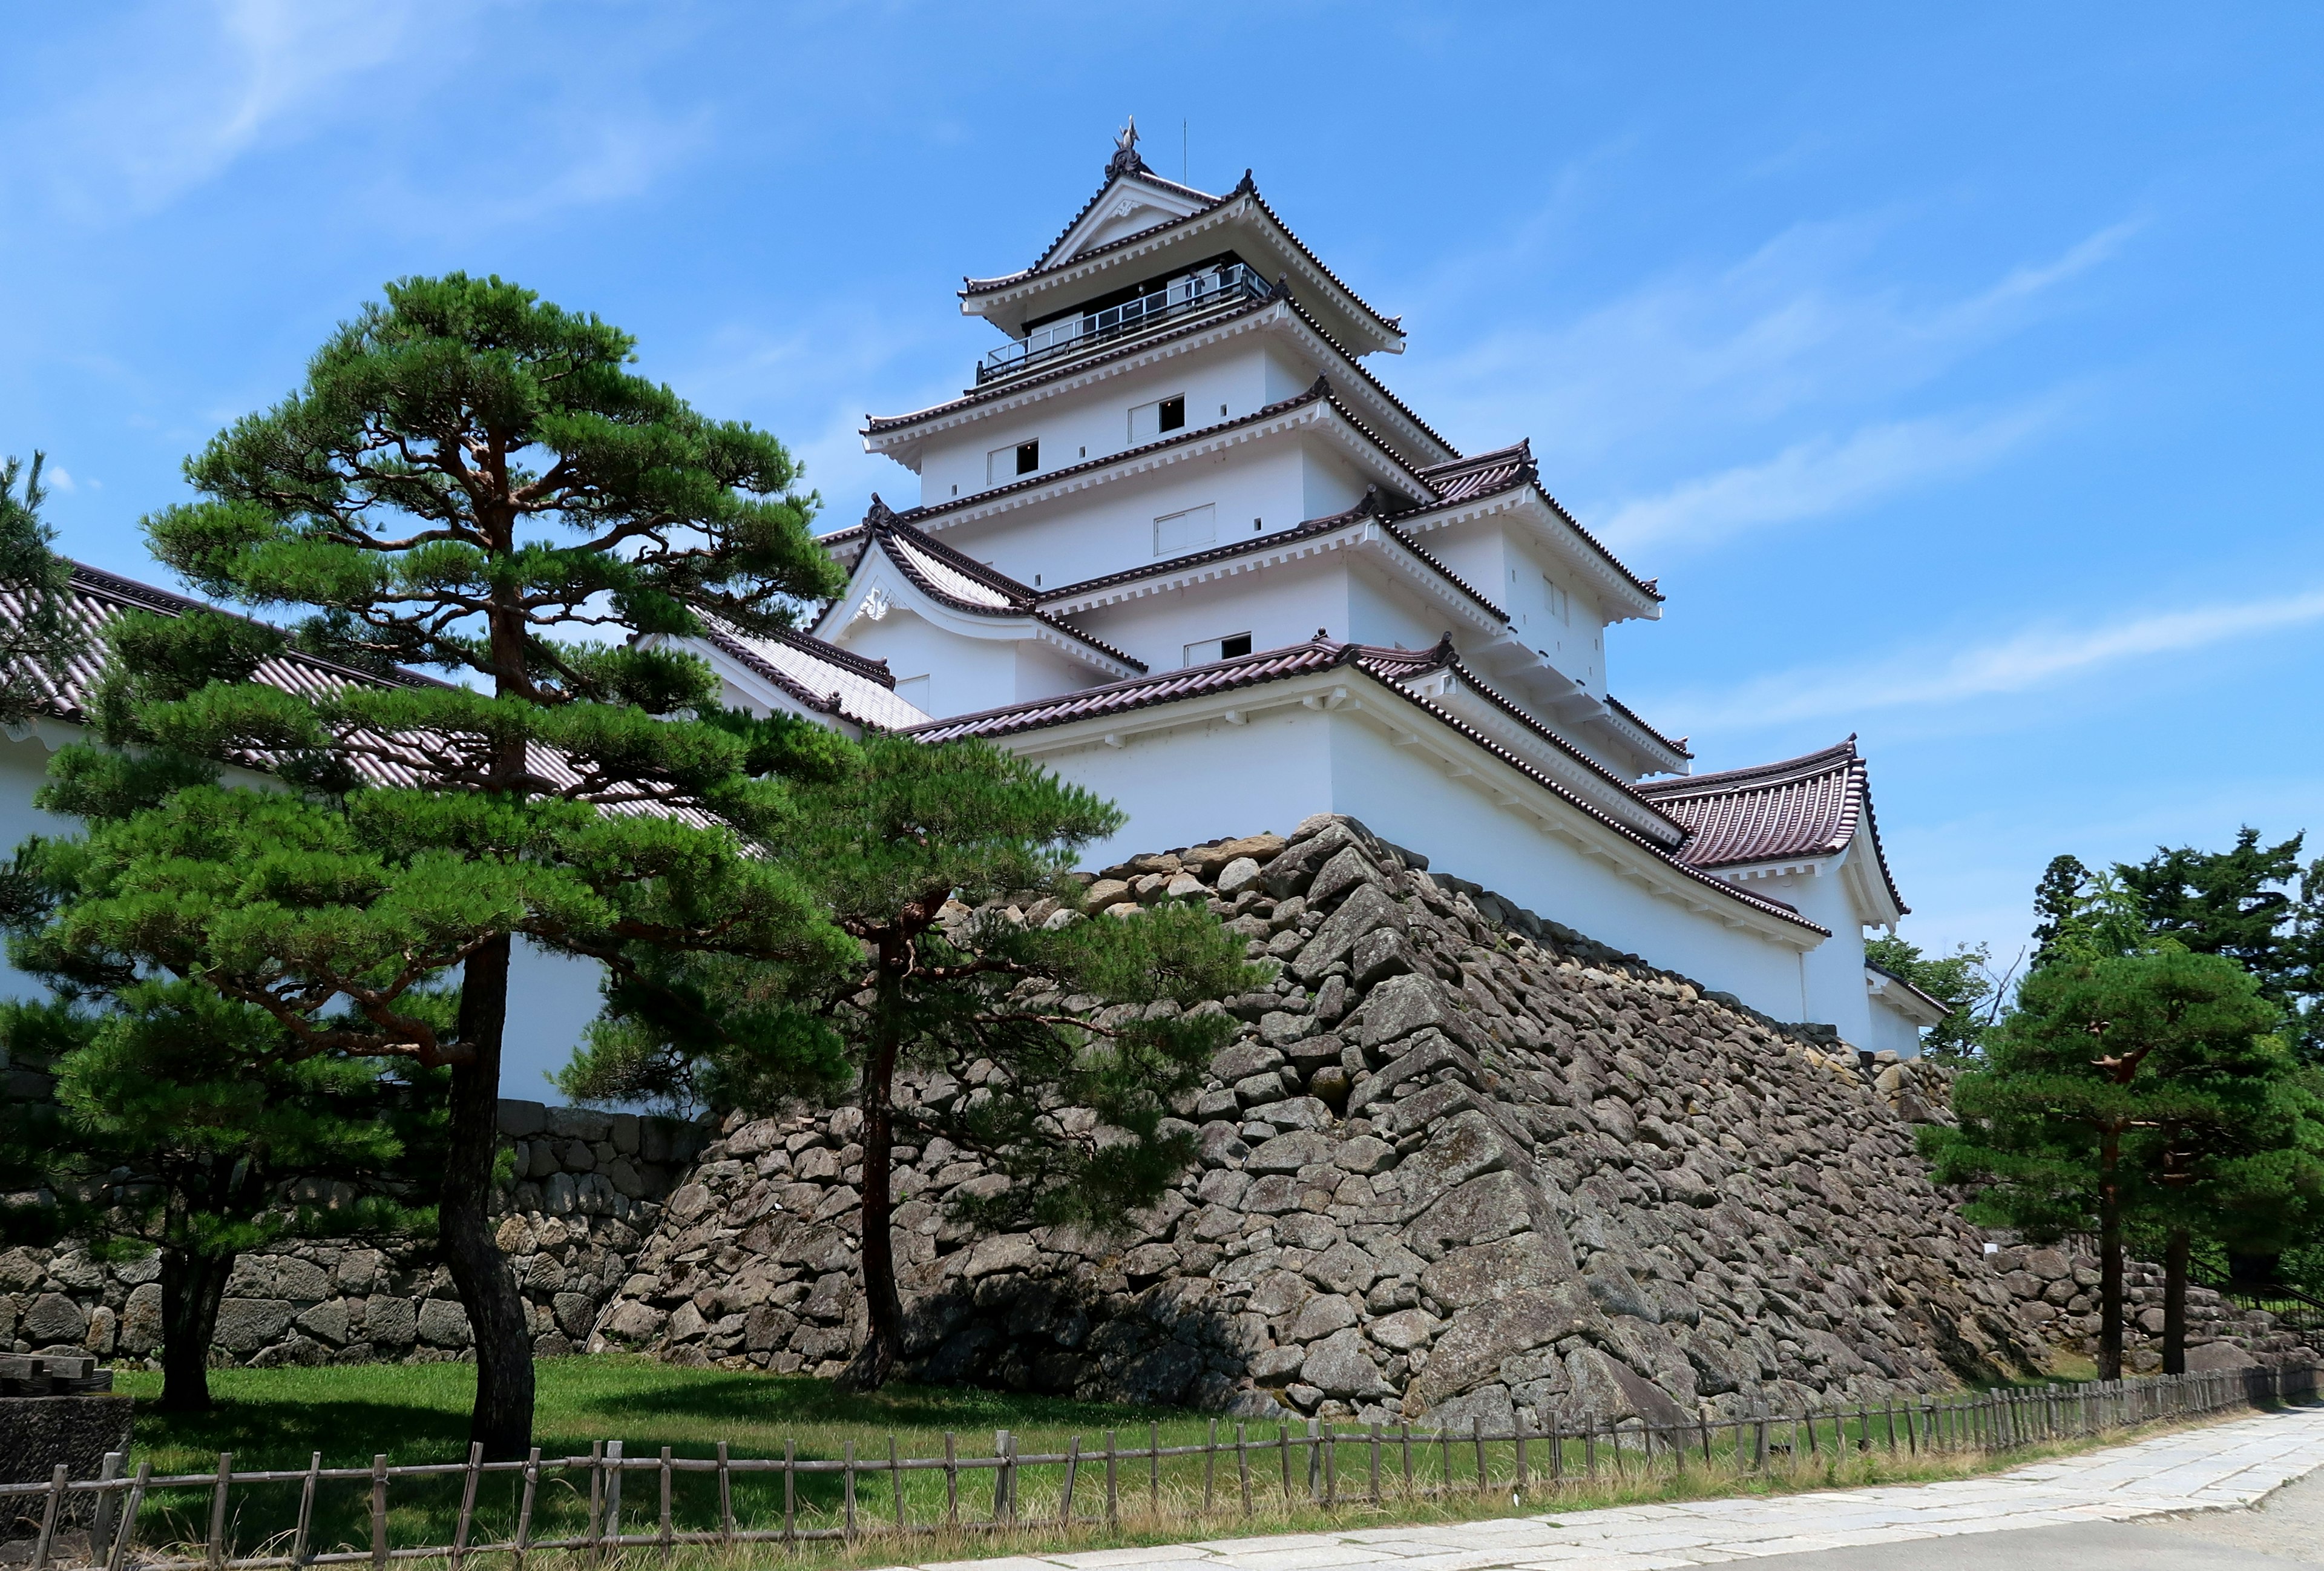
column 1792, row 328
column 182, row 94
column 2015, row 665
column 1821, row 476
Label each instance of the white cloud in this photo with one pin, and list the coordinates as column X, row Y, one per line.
column 1820, row 475
column 2013, row 665
column 57, row 477
column 182, row 95
column 1790, row 328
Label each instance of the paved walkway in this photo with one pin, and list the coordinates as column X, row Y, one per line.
column 2067, row 1510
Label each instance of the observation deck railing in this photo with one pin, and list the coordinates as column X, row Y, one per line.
column 1189, row 293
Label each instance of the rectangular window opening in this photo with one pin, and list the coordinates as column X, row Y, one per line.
column 1028, row 457
column 1181, row 531
column 1211, row 650
column 1150, row 421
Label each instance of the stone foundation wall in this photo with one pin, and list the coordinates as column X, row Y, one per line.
column 1457, row 1163
column 585, row 1188
column 2058, row 1290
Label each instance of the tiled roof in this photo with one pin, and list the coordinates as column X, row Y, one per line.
column 821, row 676
column 1367, row 509
column 1194, row 681
column 1809, row 806
column 1482, row 474
column 1474, row 478
column 1391, row 668
column 874, row 425
column 1244, row 188
column 965, row 584
column 1675, row 743
column 99, row 598
column 1141, row 173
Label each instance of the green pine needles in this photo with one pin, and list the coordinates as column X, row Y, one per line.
column 1053, row 1049
column 472, row 479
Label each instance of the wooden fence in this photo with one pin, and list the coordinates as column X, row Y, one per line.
column 694, row 1500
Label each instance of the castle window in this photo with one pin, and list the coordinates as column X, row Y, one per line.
column 1002, row 465
column 1181, row 531
column 1211, row 650
column 1150, row 421
column 1554, row 599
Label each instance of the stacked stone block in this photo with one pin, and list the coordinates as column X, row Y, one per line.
column 584, row 1188
column 1457, row 1162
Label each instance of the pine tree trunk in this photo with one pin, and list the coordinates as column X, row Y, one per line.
column 883, row 1344
column 501, row 1420
column 2174, row 1303
column 2109, row 1258
column 192, row 1287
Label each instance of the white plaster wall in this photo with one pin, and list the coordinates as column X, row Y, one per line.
column 964, row 674
column 23, row 766
column 1407, row 798
column 1087, row 534
column 1888, row 1031
column 1834, row 970
column 1200, row 782
column 1092, row 422
column 1277, row 605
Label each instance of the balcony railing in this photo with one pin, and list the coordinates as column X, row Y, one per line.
column 1174, row 297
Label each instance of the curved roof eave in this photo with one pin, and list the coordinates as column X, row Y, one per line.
column 1243, row 199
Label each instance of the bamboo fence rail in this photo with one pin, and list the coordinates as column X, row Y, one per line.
column 1309, row 1465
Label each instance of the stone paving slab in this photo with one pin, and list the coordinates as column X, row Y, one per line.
column 2224, row 1466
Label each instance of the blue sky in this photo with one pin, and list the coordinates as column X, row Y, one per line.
column 1957, row 369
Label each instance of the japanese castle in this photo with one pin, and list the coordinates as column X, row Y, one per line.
column 1180, row 544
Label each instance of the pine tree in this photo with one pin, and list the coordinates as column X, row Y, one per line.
column 2056, row 900
column 37, row 631
column 469, row 479
column 2254, row 903
column 2109, row 1071
column 1059, row 1045
column 180, row 1129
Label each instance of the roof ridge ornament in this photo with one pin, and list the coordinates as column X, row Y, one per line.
column 878, row 515
column 1125, row 158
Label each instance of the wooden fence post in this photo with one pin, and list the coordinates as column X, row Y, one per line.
column 48, row 1510
column 1112, row 1501
column 1210, row 1466
column 669, row 1539
column 100, row 1521
column 305, row 1525
column 1283, row 1445
column 218, row 1510
column 1242, row 1465
column 613, row 1494
column 1477, row 1433
column 896, row 1484
column 119, row 1556
column 379, row 1512
column 790, row 1493
column 1153, row 1469
column 1073, row 1466
column 596, row 1501
column 523, row 1509
column 847, row 1488
column 468, row 1503
column 1314, row 1462
column 952, row 1482
column 1376, row 1439
column 726, row 1496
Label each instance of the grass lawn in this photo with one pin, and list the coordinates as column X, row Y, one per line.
column 276, row 1418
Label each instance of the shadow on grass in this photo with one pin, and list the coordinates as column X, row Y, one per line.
column 775, row 1401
